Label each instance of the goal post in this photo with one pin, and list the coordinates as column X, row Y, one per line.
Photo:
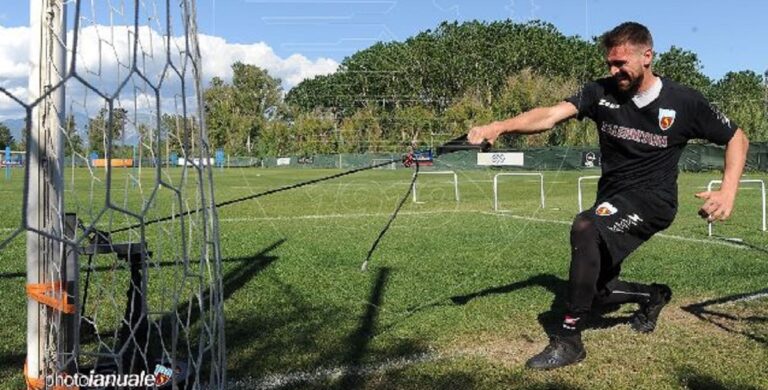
column 151, row 240
column 44, row 197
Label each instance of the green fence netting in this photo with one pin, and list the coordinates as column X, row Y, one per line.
column 696, row 157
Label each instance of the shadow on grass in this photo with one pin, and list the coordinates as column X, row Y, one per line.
column 552, row 319
column 357, row 343
column 693, row 380
column 741, row 242
column 705, row 312
column 291, row 340
column 13, row 361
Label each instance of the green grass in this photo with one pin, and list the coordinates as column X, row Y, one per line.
column 297, row 301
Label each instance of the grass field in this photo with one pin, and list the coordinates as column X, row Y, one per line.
column 456, row 296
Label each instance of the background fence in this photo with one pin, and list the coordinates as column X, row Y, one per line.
column 696, row 157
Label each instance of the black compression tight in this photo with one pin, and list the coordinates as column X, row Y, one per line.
column 593, row 268
column 585, row 266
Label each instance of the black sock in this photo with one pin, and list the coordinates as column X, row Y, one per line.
column 572, row 326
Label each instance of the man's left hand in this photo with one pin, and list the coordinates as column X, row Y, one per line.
column 718, row 205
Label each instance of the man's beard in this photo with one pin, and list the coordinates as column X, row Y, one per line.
column 632, row 87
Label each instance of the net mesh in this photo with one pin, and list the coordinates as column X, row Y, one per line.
column 118, row 83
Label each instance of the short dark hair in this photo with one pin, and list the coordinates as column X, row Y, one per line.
column 627, row 32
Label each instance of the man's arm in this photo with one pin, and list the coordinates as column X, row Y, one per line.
column 719, row 204
column 533, row 121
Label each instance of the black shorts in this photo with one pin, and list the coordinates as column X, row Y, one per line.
column 630, row 218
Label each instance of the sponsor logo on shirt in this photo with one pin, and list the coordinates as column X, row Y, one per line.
column 666, row 118
column 622, row 225
column 640, row 136
column 720, row 116
column 608, row 104
column 605, row 209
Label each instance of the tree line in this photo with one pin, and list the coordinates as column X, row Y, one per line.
column 425, row 90
column 438, row 84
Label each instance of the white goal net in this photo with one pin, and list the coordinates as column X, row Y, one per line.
column 123, row 270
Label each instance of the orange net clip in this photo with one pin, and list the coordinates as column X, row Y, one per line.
column 49, row 293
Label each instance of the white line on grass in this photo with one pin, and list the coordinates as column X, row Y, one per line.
column 663, row 235
column 746, row 299
column 330, row 216
column 275, row 381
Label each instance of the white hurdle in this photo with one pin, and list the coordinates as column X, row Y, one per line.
column 496, row 186
column 377, row 161
column 455, row 183
column 581, row 207
column 742, row 181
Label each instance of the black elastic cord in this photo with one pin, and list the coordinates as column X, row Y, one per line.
column 254, row 196
column 364, row 267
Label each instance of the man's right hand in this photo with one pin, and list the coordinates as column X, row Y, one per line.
column 478, row 134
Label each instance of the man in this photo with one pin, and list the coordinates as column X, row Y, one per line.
column 644, row 122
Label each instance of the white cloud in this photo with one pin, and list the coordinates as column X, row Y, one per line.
column 218, row 57
column 104, row 56
column 13, row 53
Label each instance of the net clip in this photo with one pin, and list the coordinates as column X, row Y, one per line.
column 51, row 294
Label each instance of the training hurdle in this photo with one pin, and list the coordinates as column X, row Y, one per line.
column 582, row 178
column 455, row 183
column 377, row 161
column 496, row 186
column 742, row 181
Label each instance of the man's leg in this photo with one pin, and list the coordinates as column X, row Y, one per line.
column 618, row 292
column 650, row 297
column 566, row 347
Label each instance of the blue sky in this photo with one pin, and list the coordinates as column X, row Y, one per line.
column 727, row 35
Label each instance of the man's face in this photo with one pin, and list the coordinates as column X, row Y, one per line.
column 627, row 64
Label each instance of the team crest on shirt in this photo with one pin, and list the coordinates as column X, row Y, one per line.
column 666, row 118
column 605, row 209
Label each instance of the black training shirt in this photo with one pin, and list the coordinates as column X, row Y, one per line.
column 641, row 147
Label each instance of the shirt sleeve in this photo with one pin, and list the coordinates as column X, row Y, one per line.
column 586, row 100
column 710, row 123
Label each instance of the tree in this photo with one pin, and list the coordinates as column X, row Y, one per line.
column 464, row 114
column 362, row 133
column 740, row 95
column 6, row 139
column 410, row 125
column 276, row 140
column 314, row 134
column 437, row 67
column 98, row 126
column 684, row 67
column 73, row 143
column 237, row 113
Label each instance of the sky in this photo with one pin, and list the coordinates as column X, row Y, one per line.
column 299, row 39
